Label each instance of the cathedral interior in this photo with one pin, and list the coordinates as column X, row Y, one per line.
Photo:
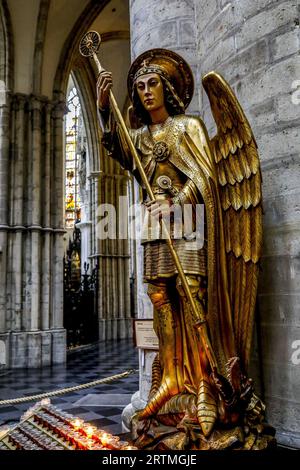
column 69, row 298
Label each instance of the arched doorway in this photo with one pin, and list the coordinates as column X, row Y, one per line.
column 80, row 282
column 105, row 181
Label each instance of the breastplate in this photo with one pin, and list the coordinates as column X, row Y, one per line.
column 175, row 176
column 160, row 134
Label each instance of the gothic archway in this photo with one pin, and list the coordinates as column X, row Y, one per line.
column 106, row 180
column 6, row 85
column 6, row 49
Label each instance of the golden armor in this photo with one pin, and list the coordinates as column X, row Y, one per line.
column 202, row 400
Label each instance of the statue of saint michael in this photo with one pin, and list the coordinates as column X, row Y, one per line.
column 194, row 402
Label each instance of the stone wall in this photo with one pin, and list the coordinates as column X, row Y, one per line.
column 39, row 49
column 31, row 219
column 106, row 183
column 255, row 45
column 169, row 24
column 31, row 290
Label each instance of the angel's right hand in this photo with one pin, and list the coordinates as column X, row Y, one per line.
column 104, row 85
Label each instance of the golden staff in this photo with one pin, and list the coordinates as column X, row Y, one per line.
column 88, row 47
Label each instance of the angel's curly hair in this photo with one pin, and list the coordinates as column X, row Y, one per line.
column 173, row 103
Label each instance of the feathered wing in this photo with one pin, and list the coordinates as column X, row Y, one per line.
column 238, row 168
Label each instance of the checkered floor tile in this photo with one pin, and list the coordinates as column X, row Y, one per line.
column 100, row 361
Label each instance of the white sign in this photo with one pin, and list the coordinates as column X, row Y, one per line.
column 2, row 352
column 144, row 334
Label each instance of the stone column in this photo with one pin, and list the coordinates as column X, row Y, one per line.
column 99, row 250
column 4, row 145
column 4, row 172
column 4, row 168
column 16, row 215
column 97, row 246
column 31, row 235
column 112, row 254
column 57, row 215
column 35, row 198
column 46, row 223
column 125, row 307
column 168, row 24
column 255, row 45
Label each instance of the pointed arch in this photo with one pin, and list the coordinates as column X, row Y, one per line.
column 6, row 87
column 7, row 48
column 106, row 180
column 84, row 78
column 70, row 50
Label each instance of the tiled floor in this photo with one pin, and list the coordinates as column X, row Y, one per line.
column 103, row 360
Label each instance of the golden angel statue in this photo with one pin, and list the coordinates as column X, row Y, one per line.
column 192, row 403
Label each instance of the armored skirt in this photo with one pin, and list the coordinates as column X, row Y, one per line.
column 158, row 262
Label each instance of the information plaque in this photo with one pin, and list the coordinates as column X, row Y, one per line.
column 144, row 334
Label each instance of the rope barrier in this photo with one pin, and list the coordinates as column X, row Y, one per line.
column 63, row 391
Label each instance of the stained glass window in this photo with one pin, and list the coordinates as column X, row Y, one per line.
column 72, row 194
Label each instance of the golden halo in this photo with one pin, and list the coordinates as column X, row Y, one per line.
column 171, row 65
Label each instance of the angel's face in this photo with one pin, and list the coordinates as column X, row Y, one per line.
column 150, row 91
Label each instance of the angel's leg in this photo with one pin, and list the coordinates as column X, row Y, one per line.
column 196, row 366
column 170, row 354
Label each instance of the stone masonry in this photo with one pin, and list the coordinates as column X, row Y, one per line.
column 254, row 44
column 31, row 221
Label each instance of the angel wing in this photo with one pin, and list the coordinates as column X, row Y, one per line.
column 238, row 168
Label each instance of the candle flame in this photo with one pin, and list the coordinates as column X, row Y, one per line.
column 77, row 423
column 89, row 431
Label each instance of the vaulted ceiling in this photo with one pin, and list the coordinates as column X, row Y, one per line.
column 46, row 34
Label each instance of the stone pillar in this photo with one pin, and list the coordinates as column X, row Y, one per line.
column 4, row 147
column 31, row 230
column 5, row 104
column 169, row 24
column 4, row 168
column 112, row 253
column 125, row 307
column 255, row 45
column 144, row 310
column 57, row 212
